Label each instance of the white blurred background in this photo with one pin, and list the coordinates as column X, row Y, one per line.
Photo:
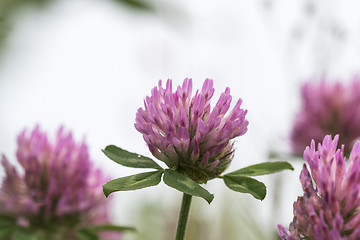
column 88, row 65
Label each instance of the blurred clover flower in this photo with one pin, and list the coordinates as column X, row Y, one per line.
column 60, row 190
column 183, row 131
column 330, row 210
column 327, row 108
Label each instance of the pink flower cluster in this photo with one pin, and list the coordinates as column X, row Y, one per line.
column 327, row 108
column 185, row 133
column 59, row 185
column 330, row 209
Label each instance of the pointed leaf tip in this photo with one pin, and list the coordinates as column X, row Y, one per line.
column 245, row 184
column 133, row 182
column 86, row 234
column 262, row 169
column 129, row 159
column 186, row 185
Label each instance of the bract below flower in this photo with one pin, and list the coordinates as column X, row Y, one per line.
column 331, row 209
column 185, row 133
column 60, row 189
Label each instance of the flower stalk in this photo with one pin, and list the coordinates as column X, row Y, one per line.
column 183, row 217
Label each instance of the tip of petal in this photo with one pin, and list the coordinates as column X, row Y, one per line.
column 355, row 152
column 283, row 232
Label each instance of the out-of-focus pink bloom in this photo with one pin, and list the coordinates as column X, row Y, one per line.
column 59, row 187
column 327, row 108
column 330, row 209
column 185, row 133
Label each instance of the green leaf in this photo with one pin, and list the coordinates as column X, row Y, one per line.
column 7, row 221
column 111, row 228
column 186, row 185
column 246, row 185
column 262, row 169
column 5, row 233
column 141, row 5
column 85, row 234
column 24, row 234
column 133, row 182
column 129, row 159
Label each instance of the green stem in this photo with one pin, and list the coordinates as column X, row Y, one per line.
column 183, row 217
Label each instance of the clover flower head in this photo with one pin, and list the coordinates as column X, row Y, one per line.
column 59, row 185
column 185, row 133
column 327, row 108
column 331, row 209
